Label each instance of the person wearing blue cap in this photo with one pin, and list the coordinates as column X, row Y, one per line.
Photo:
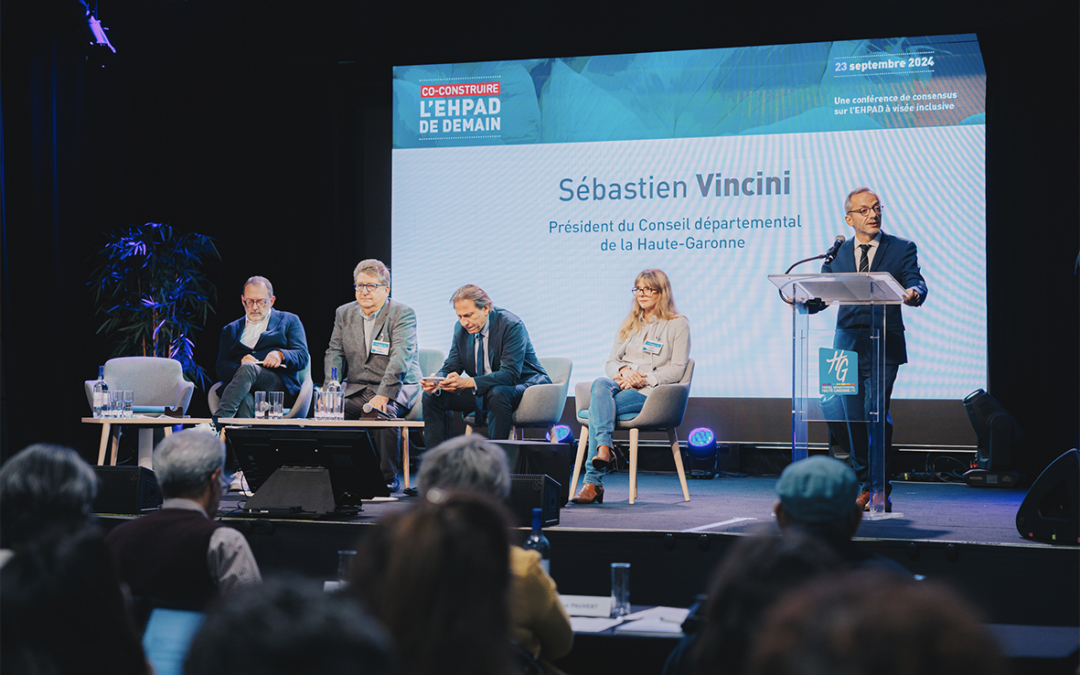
column 818, row 496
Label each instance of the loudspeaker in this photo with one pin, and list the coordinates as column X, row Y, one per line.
column 539, row 457
column 126, row 489
column 534, row 491
column 305, row 488
column 1051, row 510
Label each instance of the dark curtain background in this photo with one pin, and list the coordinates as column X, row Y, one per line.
column 267, row 126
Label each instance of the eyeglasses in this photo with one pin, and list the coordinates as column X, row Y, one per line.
column 255, row 303
column 644, row 291
column 877, row 208
column 370, row 288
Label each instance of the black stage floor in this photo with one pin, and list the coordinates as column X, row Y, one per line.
column 944, row 512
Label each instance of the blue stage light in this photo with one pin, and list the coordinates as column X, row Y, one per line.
column 702, row 440
column 562, row 434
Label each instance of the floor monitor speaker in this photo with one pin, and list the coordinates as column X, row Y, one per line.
column 1051, row 510
column 534, row 491
column 126, row 489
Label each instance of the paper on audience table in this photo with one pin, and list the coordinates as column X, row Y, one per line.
column 649, row 627
column 674, row 615
column 590, row 624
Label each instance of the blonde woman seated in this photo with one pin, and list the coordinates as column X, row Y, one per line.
column 651, row 348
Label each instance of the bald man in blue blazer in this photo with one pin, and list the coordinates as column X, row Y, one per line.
column 871, row 250
column 264, row 350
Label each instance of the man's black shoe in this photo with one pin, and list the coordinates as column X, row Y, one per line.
column 393, row 485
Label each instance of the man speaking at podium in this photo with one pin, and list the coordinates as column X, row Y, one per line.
column 872, row 250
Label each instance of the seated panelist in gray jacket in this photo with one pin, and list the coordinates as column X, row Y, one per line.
column 373, row 346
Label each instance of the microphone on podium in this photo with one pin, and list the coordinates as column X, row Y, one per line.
column 830, row 255
column 380, row 414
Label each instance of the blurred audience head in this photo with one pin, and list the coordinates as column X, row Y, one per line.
column 752, row 577
column 437, row 576
column 44, row 487
column 289, row 626
column 818, row 495
column 63, row 611
column 466, row 464
column 873, row 623
column 185, row 462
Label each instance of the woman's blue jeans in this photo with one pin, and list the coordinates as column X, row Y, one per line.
column 607, row 401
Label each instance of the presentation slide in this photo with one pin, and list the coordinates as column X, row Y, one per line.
column 552, row 182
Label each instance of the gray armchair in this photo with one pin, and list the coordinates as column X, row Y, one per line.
column 664, row 410
column 430, row 362
column 300, row 407
column 541, row 404
column 157, row 382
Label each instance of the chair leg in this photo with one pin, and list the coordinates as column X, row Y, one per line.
column 583, row 443
column 674, row 438
column 468, row 429
column 633, row 463
column 405, row 455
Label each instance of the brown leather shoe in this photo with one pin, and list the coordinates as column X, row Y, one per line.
column 863, row 501
column 604, row 458
column 590, row 494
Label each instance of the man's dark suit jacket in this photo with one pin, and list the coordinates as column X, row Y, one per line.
column 284, row 332
column 513, row 360
column 899, row 258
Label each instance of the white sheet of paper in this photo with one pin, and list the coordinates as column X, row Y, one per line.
column 589, row 624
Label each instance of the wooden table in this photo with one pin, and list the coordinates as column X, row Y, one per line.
column 404, row 425
column 110, row 434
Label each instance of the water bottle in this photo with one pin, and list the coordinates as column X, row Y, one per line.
column 336, row 400
column 538, row 542
column 101, row 393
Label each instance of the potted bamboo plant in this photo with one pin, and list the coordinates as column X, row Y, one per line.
column 152, row 289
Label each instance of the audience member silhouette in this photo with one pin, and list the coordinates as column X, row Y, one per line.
column 538, row 622
column 44, row 488
column 817, row 496
column 753, row 575
column 288, row 626
column 63, row 611
column 874, row 623
column 437, row 576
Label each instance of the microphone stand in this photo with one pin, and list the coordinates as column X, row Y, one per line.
column 783, row 297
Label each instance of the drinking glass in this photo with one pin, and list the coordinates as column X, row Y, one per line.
column 116, row 403
column 129, row 402
column 620, row 589
column 277, row 401
column 261, row 406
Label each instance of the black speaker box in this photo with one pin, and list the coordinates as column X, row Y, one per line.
column 126, row 489
column 540, row 457
column 1051, row 510
column 534, row 491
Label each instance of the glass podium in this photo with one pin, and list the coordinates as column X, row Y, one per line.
column 826, row 385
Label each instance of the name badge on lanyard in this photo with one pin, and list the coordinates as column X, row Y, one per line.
column 652, row 346
column 379, row 347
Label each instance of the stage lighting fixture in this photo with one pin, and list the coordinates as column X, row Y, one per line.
column 562, row 434
column 700, row 455
column 702, row 440
column 999, row 434
column 99, row 49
